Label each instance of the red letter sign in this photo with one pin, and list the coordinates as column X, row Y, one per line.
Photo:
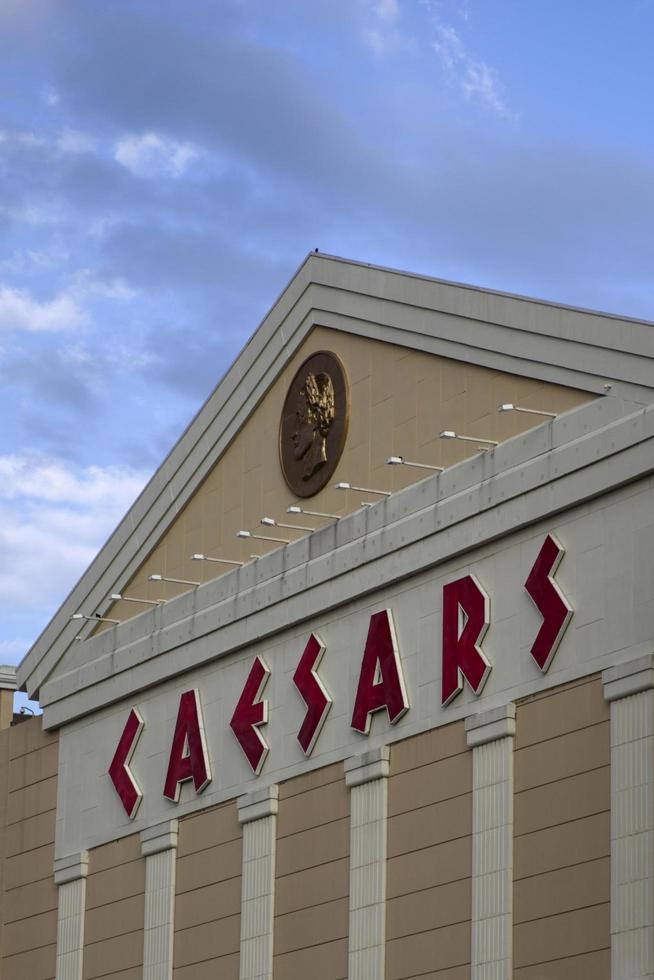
column 549, row 600
column 250, row 713
column 126, row 786
column 188, row 755
column 465, row 621
column 381, row 684
column 317, row 700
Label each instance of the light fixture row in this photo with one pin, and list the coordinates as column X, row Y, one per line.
column 296, row 509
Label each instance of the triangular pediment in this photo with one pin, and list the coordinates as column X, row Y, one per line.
column 420, row 355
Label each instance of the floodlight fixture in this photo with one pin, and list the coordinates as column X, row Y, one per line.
column 117, row 596
column 449, row 434
column 271, row 522
column 97, row 618
column 261, row 537
column 175, row 581
column 351, row 486
column 223, row 561
column 510, row 407
column 294, row 509
column 401, row 461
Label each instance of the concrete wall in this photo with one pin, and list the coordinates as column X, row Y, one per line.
column 28, row 776
column 562, row 834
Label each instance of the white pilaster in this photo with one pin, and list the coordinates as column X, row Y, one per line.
column 367, row 777
column 490, row 735
column 257, row 812
column 70, row 876
column 159, row 848
column 630, row 690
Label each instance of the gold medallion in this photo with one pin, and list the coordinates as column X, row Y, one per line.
column 313, row 426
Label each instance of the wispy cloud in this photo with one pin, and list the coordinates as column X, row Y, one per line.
column 472, row 76
column 53, row 518
column 380, row 32
column 152, row 155
column 20, row 311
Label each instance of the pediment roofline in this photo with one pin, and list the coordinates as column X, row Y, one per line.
column 532, row 338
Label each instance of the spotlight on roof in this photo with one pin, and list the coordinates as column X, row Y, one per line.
column 223, row 561
column 271, row 522
column 294, row 509
column 449, row 434
column 401, row 461
column 118, row 596
column 261, row 537
column 175, row 581
column 510, row 407
column 351, row 486
column 97, row 618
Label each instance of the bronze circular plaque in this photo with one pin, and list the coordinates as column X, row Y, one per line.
column 313, row 426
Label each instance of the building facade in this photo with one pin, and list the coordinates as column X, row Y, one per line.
column 371, row 690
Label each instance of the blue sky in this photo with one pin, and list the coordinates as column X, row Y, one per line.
column 165, row 167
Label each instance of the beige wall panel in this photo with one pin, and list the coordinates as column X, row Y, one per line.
column 208, row 894
column 37, row 798
column 562, row 846
column 588, row 965
column 34, row 899
column 330, row 881
column 400, row 401
column 562, row 833
column 426, row 954
column 430, row 825
column 313, row 847
column 5, row 739
column 29, row 833
column 28, row 737
column 429, row 909
column 325, row 962
column 37, row 964
column 561, row 710
column 430, row 851
column 25, row 934
column 33, row 767
column 226, row 968
column 30, row 901
column 546, row 940
column 115, row 889
column 312, row 877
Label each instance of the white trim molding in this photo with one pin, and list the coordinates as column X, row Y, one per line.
column 257, row 812
column 630, row 690
column 70, row 876
column 159, row 848
column 490, row 735
column 366, row 776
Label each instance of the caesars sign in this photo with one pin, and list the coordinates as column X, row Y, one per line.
column 380, row 687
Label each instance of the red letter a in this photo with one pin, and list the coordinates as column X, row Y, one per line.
column 465, row 621
column 381, row 684
column 188, row 755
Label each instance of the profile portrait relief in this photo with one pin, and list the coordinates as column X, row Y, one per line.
column 314, row 423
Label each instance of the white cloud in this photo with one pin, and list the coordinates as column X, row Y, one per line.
column 472, row 76
column 75, row 141
column 152, row 155
column 53, row 519
column 380, row 32
column 19, row 311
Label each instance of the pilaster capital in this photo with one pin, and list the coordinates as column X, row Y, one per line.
column 633, row 677
column 72, row 867
column 490, row 725
column 258, row 804
column 160, row 837
column 374, row 764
